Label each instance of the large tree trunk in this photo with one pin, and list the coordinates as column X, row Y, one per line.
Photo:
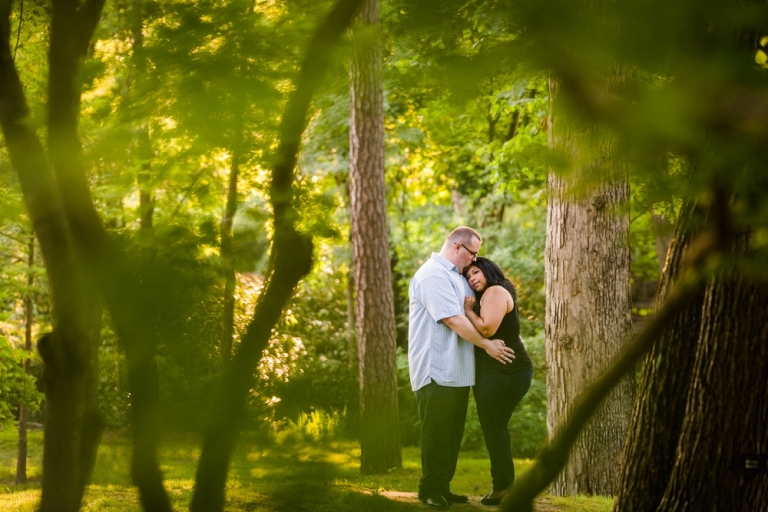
column 700, row 428
column 379, row 431
column 588, row 312
column 660, row 405
column 720, row 458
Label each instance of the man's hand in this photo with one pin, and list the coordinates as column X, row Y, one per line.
column 495, row 348
column 499, row 351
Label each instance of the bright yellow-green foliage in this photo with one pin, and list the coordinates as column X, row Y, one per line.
column 280, row 477
column 761, row 57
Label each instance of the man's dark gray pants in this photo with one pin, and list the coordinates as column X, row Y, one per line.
column 443, row 411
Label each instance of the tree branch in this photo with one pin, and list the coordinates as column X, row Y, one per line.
column 18, row 32
column 89, row 14
column 291, row 260
column 294, row 120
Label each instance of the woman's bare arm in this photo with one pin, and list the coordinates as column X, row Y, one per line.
column 493, row 307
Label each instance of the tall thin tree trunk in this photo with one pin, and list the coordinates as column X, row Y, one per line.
column 70, row 23
column 29, row 315
column 142, row 141
column 228, row 261
column 379, row 431
column 146, row 192
column 663, row 231
column 588, row 312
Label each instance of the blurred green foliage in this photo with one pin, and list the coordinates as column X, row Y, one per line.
column 467, row 103
column 16, row 387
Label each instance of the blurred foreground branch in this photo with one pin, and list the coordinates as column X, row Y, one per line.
column 72, row 425
column 290, row 260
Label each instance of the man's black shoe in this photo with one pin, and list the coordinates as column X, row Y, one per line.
column 437, row 502
column 456, row 498
column 487, row 500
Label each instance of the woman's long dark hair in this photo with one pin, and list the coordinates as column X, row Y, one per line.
column 493, row 276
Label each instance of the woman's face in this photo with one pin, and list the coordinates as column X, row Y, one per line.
column 476, row 279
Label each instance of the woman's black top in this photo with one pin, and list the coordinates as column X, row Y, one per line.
column 509, row 333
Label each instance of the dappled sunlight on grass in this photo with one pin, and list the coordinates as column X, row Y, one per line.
column 580, row 503
column 111, row 497
column 8, row 451
column 19, row 501
column 290, row 477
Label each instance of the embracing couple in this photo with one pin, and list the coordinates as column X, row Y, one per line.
column 464, row 331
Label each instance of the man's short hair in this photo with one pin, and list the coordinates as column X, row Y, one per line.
column 463, row 235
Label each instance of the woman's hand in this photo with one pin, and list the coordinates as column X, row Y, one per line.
column 469, row 303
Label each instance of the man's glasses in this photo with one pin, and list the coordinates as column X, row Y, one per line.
column 473, row 253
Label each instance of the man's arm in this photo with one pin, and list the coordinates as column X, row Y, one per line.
column 495, row 348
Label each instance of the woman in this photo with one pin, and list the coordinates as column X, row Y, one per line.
column 498, row 387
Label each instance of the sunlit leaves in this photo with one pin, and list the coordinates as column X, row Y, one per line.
column 761, row 55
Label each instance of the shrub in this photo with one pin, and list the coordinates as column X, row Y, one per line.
column 16, row 387
column 318, row 427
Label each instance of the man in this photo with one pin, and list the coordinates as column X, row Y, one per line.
column 441, row 361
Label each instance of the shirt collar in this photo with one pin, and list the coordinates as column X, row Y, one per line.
column 445, row 263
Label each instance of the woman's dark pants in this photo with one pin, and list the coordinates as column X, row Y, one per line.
column 496, row 396
column 443, row 411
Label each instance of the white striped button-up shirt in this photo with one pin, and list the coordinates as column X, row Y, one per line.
column 435, row 351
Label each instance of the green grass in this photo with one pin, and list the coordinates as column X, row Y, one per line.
column 299, row 478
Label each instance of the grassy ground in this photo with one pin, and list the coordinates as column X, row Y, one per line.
column 280, row 478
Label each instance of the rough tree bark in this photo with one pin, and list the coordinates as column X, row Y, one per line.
column 351, row 322
column 687, row 450
column 379, row 430
column 588, row 312
column 649, row 453
column 290, row 260
column 720, row 457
